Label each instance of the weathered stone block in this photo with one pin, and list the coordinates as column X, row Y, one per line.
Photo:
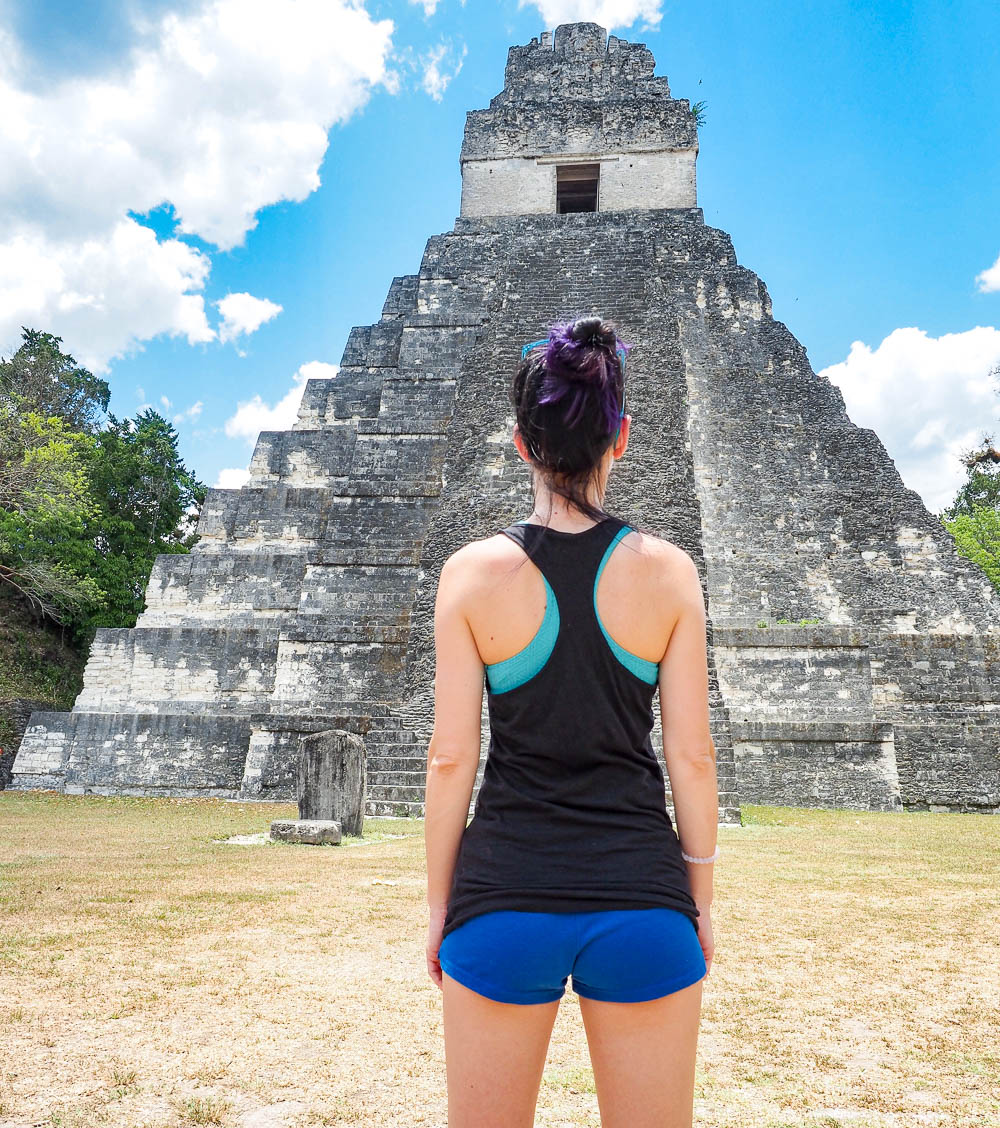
column 332, row 778
column 17, row 711
column 313, row 832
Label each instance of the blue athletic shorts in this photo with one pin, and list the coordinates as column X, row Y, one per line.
column 618, row 955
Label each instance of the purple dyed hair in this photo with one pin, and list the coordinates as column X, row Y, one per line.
column 580, row 354
column 568, row 393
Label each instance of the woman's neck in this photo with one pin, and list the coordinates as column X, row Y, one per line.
column 560, row 514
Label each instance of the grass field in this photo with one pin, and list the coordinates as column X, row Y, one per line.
column 153, row 975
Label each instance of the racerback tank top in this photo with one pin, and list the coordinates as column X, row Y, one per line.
column 571, row 813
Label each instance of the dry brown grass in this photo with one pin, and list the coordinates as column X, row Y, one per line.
column 154, row 976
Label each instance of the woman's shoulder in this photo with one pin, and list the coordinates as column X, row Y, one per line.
column 482, row 560
column 663, row 558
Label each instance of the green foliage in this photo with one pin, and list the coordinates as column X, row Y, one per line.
column 145, row 495
column 977, row 537
column 84, row 509
column 698, row 109
column 36, row 661
column 45, row 505
column 40, row 377
column 982, row 485
column 973, row 518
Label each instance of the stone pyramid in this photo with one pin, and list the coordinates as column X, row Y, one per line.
column 308, row 600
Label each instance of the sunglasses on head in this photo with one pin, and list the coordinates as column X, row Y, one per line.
column 621, row 356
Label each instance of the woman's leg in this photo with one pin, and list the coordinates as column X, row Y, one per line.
column 495, row 1055
column 643, row 1056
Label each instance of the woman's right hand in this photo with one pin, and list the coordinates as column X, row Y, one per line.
column 705, row 937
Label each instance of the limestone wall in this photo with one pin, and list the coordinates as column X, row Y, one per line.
column 581, row 95
column 527, row 185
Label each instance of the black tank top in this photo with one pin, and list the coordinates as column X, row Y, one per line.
column 571, row 814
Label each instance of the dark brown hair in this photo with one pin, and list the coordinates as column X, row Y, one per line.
column 568, row 393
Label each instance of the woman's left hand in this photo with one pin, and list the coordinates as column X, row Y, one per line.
column 435, row 928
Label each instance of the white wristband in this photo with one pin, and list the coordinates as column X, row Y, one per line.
column 701, row 861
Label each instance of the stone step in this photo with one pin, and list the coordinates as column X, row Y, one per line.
column 176, row 669
column 340, row 401
column 381, row 743
column 391, row 739
column 380, row 752
column 379, row 778
column 392, row 722
column 391, row 765
column 220, row 587
column 394, row 809
column 400, row 743
column 371, row 399
column 348, row 463
column 402, row 296
column 395, row 793
column 376, row 530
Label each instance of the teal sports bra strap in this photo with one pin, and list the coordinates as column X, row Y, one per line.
column 526, row 663
column 641, row 667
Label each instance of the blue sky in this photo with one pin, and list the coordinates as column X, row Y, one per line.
column 851, row 150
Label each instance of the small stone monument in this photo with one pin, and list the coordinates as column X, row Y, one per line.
column 332, row 781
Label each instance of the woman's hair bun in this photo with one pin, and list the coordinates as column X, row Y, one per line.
column 580, row 355
column 595, row 332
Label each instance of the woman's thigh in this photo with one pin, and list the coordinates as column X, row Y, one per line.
column 643, row 1056
column 495, row 1055
column 638, row 974
column 503, row 974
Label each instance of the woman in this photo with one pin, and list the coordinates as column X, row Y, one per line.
column 571, row 864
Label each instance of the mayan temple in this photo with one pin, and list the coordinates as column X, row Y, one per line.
column 307, row 603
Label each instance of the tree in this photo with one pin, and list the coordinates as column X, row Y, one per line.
column 982, row 464
column 977, row 537
column 45, row 505
column 41, row 377
column 982, row 484
column 85, row 508
column 973, row 518
column 144, row 495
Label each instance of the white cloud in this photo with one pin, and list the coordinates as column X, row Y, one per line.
column 429, row 6
column 244, row 314
column 102, row 294
column 166, row 403
column 927, row 398
column 189, row 413
column 219, row 112
column 255, row 415
column 440, row 67
column 232, row 479
column 989, row 280
column 608, row 13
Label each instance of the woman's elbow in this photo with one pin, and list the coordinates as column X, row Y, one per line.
column 447, row 759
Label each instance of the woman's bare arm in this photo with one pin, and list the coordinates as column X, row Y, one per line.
column 688, row 749
column 453, row 753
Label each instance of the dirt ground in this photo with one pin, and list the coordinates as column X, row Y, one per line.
column 153, row 974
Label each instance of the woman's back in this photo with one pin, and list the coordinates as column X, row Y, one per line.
column 637, row 597
column 571, row 814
